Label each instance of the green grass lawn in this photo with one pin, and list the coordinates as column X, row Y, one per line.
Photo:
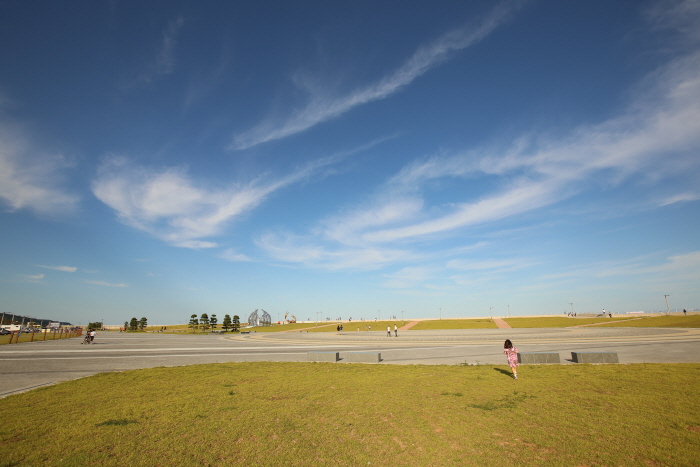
column 36, row 337
column 690, row 321
column 315, row 414
column 435, row 324
column 564, row 322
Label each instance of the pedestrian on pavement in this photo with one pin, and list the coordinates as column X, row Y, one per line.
column 396, row 330
column 512, row 354
column 388, row 331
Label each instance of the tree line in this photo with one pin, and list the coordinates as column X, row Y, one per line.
column 205, row 323
column 136, row 324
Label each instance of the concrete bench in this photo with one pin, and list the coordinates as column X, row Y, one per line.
column 594, row 357
column 323, row 356
column 535, row 358
column 364, row 357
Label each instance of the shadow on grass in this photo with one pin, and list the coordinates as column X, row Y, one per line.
column 505, row 372
column 120, row 422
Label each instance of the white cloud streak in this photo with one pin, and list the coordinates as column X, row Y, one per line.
column 680, row 198
column 171, row 206
column 59, row 268
column 321, row 109
column 34, row 277
column 106, row 284
column 656, row 138
column 162, row 62
column 31, row 179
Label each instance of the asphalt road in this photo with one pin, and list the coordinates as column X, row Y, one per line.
column 30, row 365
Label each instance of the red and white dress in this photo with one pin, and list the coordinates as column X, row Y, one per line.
column 512, row 355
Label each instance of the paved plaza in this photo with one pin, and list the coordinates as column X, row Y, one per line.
column 30, row 365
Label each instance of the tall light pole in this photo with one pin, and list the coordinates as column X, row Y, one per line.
column 490, row 313
column 401, row 315
column 667, row 307
column 509, row 311
column 379, row 314
column 440, row 313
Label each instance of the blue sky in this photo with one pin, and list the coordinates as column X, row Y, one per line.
column 353, row 159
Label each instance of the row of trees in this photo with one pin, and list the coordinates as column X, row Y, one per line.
column 204, row 323
column 136, row 324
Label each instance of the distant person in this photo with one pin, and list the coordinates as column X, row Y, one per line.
column 609, row 314
column 512, row 354
column 86, row 339
column 388, row 331
column 396, row 330
column 684, row 312
column 92, row 336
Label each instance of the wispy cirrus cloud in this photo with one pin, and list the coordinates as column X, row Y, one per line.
column 31, row 178
column 33, row 278
column 656, row 138
column 322, row 108
column 59, row 268
column 680, row 198
column 106, row 284
column 230, row 254
column 161, row 61
column 172, row 206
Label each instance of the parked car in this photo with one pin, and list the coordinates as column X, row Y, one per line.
column 4, row 332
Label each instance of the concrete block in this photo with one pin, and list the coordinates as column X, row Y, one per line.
column 364, row 357
column 594, row 357
column 323, row 356
column 536, row 358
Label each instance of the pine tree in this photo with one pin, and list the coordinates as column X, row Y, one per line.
column 134, row 324
column 194, row 322
column 213, row 321
column 227, row 323
column 143, row 323
column 236, row 324
column 204, row 322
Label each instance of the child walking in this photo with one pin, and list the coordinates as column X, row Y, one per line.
column 512, row 354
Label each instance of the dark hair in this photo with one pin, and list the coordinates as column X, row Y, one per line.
column 508, row 344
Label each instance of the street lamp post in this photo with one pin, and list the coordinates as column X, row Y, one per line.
column 491, row 313
column 379, row 315
column 509, row 311
column 440, row 313
column 667, row 307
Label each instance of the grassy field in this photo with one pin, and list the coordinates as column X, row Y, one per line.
column 36, row 337
column 690, row 321
column 314, row 414
column 562, row 321
column 435, row 324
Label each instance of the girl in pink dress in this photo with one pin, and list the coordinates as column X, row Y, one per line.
column 512, row 354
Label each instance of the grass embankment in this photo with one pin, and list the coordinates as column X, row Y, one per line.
column 435, row 324
column 690, row 321
column 37, row 337
column 306, row 414
column 558, row 321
